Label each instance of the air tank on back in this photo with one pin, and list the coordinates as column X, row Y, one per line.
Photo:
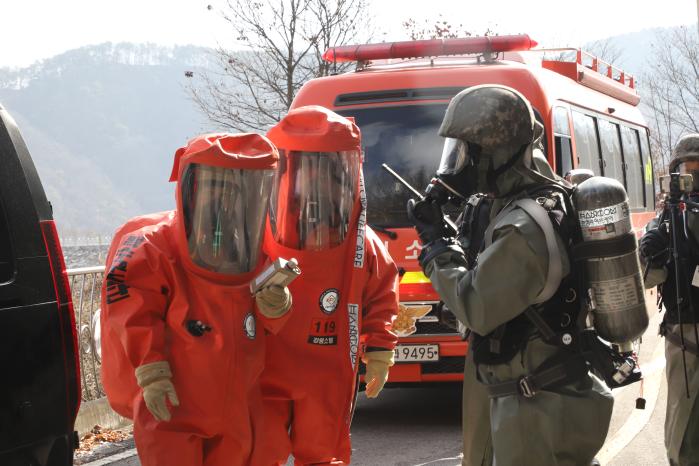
column 610, row 254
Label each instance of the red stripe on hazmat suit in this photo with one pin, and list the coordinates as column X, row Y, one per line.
column 347, row 290
column 177, row 290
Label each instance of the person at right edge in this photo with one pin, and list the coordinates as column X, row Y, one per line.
column 562, row 419
column 682, row 415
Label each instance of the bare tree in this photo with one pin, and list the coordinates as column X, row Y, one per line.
column 439, row 28
column 672, row 87
column 605, row 49
column 283, row 41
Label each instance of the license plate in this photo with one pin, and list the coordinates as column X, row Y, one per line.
column 416, row 353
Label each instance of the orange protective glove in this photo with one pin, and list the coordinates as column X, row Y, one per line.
column 377, row 364
column 154, row 379
column 273, row 301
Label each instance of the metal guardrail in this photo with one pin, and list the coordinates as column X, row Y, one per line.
column 86, row 286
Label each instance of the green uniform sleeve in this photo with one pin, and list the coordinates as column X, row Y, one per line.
column 509, row 276
column 655, row 277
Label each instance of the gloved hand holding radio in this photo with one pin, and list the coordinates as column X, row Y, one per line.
column 431, row 226
column 273, row 301
column 428, row 218
column 654, row 246
column 377, row 364
column 155, row 380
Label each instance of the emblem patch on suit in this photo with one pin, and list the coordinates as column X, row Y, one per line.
column 404, row 325
column 328, row 300
column 249, row 325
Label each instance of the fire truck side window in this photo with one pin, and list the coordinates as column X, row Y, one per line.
column 561, row 139
column 634, row 167
column 647, row 169
column 6, row 259
column 611, row 150
column 564, row 154
column 586, row 143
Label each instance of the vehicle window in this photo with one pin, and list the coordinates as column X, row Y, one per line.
column 647, row 170
column 564, row 154
column 6, row 258
column 586, row 144
column 611, row 150
column 405, row 138
column 560, row 121
column 634, row 168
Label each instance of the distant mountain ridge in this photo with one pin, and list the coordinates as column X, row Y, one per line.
column 102, row 123
column 108, row 53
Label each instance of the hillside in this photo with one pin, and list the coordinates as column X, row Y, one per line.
column 102, row 123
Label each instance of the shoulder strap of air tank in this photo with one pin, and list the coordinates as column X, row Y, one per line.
column 554, row 272
column 541, row 217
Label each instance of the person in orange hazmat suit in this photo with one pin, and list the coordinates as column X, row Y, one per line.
column 344, row 301
column 182, row 336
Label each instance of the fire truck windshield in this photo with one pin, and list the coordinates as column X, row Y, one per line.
column 404, row 137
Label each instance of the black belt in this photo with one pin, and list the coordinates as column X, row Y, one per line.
column 676, row 340
column 528, row 385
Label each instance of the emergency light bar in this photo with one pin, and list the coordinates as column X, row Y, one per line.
column 429, row 48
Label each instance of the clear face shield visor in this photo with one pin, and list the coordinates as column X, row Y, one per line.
column 224, row 212
column 313, row 198
column 455, row 157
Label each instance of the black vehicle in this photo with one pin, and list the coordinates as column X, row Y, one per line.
column 39, row 385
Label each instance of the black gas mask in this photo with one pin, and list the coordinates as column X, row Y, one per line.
column 457, row 175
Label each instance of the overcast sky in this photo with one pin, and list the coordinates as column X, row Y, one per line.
column 34, row 29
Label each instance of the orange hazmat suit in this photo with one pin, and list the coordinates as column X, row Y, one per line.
column 176, row 292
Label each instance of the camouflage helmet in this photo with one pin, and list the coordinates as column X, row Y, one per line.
column 687, row 148
column 497, row 118
column 491, row 131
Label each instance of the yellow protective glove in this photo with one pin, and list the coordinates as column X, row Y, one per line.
column 273, row 301
column 377, row 364
column 154, row 379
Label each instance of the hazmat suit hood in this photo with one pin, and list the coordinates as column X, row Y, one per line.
column 223, row 187
column 316, row 195
column 492, row 135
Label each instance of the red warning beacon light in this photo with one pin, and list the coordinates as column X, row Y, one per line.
column 429, row 48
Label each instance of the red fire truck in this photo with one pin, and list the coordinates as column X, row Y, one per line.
column 398, row 93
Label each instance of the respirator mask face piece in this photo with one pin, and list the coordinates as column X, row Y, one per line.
column 457, row 168
column 690, row 166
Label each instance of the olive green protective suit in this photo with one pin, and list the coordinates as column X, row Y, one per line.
column 478, row 445
column 682, row 413
column 477, row 442
column 565, row 425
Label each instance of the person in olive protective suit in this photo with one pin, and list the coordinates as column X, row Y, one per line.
column 545, row 406
column 182, row 336
column 682, row 412
column 347, row 291
column 477, row 443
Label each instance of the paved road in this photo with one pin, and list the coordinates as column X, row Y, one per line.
column 416, row 427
